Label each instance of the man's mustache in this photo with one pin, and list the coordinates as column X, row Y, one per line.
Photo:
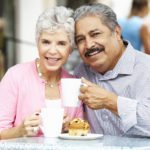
column 93, row 49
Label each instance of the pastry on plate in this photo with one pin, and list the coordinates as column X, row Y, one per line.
column 78, row 127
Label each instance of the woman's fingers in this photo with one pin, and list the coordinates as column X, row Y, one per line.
column 65, row 123
column 31, row 131
column 31, row 124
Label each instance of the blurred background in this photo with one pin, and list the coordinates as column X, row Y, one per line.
column 17, row 27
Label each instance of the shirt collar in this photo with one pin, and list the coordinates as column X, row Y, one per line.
column 126, row 62
column 124, row 66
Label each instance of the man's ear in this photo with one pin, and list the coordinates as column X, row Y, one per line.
column 118, row 32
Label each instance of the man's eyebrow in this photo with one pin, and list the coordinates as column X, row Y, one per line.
column 93, row 30
column 77, row 36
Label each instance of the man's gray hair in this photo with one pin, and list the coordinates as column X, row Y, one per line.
column 105, row 13
column 55, row 18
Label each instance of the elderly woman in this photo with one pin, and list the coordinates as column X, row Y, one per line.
column 28, row 87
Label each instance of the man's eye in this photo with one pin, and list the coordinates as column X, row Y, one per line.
column 79, row 40
column 95, row 34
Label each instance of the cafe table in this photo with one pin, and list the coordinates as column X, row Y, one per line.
column 104, row 143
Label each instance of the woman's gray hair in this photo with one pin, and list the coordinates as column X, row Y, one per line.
column 105, row 13
column 55, row 18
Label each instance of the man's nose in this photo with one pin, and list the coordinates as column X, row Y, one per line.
column 89, row 43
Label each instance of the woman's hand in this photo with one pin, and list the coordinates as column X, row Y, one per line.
column 65, row 124
column 30, row 125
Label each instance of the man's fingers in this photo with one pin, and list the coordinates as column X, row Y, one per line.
column 86, row 82
column 81, row 97
column 83, row 89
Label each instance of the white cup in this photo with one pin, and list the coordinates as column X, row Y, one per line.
column 70, row 91
column 52, row 120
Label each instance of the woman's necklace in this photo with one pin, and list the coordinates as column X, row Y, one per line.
column 40, row 75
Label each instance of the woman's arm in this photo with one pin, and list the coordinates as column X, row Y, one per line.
column 29, row 127
column 14, row 132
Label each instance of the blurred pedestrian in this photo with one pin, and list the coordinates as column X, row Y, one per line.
column 133, row 27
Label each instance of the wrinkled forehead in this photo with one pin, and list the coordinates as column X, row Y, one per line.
column 54, row 35
column 90, row 17
column 89, row 22
column 89, row 14
column 55, row 32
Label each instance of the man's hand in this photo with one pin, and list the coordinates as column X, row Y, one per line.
column 95, row 97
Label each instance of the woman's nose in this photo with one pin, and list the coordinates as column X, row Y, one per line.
column 52, row 48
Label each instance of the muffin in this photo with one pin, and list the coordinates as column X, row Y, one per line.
column 78, row 127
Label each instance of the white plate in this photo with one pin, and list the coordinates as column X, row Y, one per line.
column 89, row 136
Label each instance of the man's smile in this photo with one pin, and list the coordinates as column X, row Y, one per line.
column 93, row 51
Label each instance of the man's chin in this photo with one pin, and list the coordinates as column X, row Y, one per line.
column 97, row 66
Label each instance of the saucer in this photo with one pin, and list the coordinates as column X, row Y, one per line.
column 89, row 136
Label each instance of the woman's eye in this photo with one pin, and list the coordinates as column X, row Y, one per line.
column 62, row 43
column 45, row 42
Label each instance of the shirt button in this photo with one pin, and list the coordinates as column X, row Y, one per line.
column 105, row 117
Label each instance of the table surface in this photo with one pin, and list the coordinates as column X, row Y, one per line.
column 104, row 143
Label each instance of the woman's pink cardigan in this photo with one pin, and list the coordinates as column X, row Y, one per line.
column 22, row 92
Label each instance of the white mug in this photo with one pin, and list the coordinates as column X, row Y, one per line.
column 70, row 91
column 52, row 121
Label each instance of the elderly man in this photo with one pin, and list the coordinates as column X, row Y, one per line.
column 117, row 95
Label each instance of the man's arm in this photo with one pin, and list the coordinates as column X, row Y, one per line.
column 133, row 113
